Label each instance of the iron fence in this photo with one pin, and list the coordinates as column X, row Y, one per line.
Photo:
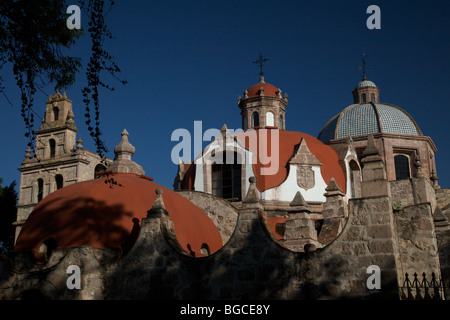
column 434, row 289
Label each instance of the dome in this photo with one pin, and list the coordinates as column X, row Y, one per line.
column 106, row 215
column 288, row 141
column 369, row 118
column 365, row 84
column 269, row 90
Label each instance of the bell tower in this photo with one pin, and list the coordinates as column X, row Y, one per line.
column 263, row 106
column 57, row 134
column 59, row 158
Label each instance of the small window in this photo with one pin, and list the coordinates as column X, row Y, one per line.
column 59, row 181
column 226, row 179
column 372, row 97
column 363, row 98
column 205, row 249
column 255, row 119
column 55, row 114
column 270, row 121
column 98, row 168
column 40, row 193
column 401, row 167
column 52, row 148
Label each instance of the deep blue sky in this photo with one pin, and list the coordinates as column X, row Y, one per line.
column 190, row 60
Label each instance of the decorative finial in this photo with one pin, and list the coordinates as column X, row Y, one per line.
column 261, row 91
column 278, row 93
column 261, row 62
column 122, row 161
column 224, row 129
column 418, row 165
column 434, row 178
column 298, row 204
column 371, row 148
column 332, row 186
column 28, row 153
column 79, row 143
column 158, row 209
column 69, row 119
column 253, row 195
column 124, row 149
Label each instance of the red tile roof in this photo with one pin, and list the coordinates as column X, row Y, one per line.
column 269, row 90
column 287, row 142
column 98, row 214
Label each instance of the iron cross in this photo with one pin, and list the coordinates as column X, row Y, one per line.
column 261, row 61
column 364, row 66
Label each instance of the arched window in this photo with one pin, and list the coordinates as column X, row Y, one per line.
column 59, row 181
column 40, row 192
column 226, row 178
column 270, row 119
column 255, row 119
column 372, row 97
column 52, row 148
column 55, row 114
column 401, row 167
column 363, row 98
column 98, row 168
column 205, row 249
column 47, row 247
column 281, row 121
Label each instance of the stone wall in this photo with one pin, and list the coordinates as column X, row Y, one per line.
column 413, row 191
column 222, row 213
column 402, row 192
column 252, row 264
column 416, row 240
column 443, row 201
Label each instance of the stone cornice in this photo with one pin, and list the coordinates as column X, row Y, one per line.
column 386, row 135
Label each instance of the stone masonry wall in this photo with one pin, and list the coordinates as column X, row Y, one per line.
column 252, row 264
column 416, row 240
column 222, row 213
column 413, row 191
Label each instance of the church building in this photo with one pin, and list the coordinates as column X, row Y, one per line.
column 265, row 213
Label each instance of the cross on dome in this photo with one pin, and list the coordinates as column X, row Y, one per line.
column 261, row 62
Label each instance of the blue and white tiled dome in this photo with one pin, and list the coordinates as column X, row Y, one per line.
column 369, row 118
column 365, row 84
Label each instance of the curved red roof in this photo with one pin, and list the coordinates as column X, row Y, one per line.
column 269, row 90
column 287, row 142
column 103, row 215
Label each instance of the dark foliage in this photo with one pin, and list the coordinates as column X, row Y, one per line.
column 99, row 61
column 8, row 212
column 34, row 38
column 33, row 35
